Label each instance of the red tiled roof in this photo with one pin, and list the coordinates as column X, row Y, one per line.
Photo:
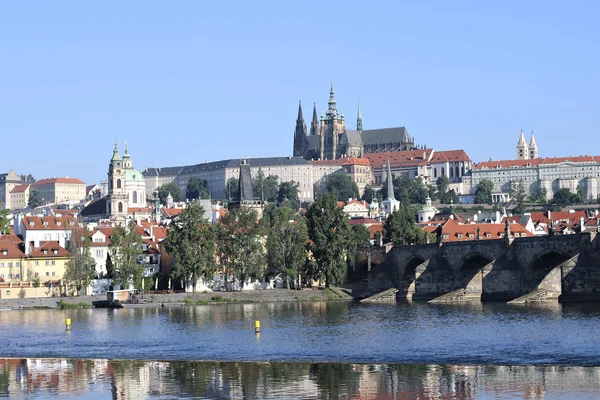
column 50, row 248
column 139, row 209
column 450, row 156
column 359, row 202
column 348, row 160
column 11, row 238
column 400, row 158
column 48, row 223
column 363, row 221
column 374, row 229
column 11, row 248
column 19, row 189
column 533, row 162
column 457, row 232
column 58, row 180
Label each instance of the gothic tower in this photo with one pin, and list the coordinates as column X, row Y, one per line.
column 332, row 126
column 359, row 125
column 533, row 148
column 117, row 197
column 314, row 124
column 522, row 148
column 300, row 140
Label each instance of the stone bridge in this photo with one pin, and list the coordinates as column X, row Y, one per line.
column 566, row 267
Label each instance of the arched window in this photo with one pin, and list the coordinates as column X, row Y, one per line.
column 457, row 172
column 443, row 172
column 120, row 207
column 118, row 184
column 435, row 172
column 134, row 197
column 451, row 172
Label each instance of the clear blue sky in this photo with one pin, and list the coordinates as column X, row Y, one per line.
column 189, row 81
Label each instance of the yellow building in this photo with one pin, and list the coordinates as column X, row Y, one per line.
column 46, row 263
column 19, row 197
column 56, row 190
column 11, row 259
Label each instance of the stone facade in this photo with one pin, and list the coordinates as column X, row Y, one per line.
column 57, row 190
column 7, row 183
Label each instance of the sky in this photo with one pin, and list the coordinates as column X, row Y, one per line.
column 191, row 81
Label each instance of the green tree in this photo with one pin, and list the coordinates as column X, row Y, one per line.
column 196, row 189
column 288, row 191
column 110, row 268
column 563, row 197
column 191, row 239
column 4, row 221
column 79, row 268
column 483, row 194
column 359, row 238
column 368, row 194
column 232, row 188
column 35, row 199
column 164, row 190
column 241, row 245
column 125, row 247
column 541, row 194
column 265, row 187
column 407, row 190
column 400, row 227
column 328, row 230
column 450, row 197
column 342, row 187
column 518, row 195
column 286, row 243
column 442, row 185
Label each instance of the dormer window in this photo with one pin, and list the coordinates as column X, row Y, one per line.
column 31, row 223
column 487, row 235
column 54, row 251
column 45, row 251
column 4, row 252
column 459, row 236
column 71, row 223
column 45, row 223
column 58, row 223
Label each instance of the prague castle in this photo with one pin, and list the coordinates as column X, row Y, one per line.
column 329, row 139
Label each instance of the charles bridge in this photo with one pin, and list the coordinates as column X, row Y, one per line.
column 520, row 270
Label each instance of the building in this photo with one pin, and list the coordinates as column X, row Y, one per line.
column 329, row 138
column 551, row 174
column 245, row 195
column 455, row 231
column 36, row 231
column 527, row 151
column 7, row 183
column 390, row 204
column 218, row 173
column 19, row 196
column 358, row 169
column 57, row 190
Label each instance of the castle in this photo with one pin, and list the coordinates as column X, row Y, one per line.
column 329, row 139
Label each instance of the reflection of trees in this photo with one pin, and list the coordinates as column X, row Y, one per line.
column 332, row 379
column 193, row 376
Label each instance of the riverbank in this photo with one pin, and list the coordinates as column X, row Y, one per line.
column 158, row 300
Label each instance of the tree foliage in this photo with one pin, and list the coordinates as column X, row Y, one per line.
column 368, row 194
column 400, row 227
column 4, row 221
column 265, row 188
column 328, row 230
column 241, row 245
column 342, row 187
column 407, row 190
column 196, row 189
column 518, row 195
column 125, row 247
column 232, row 188
column 164, row 190
column 110, row 268
column 483, row 194
column 564, row 197
column 35, row 199
column 288, row 191
column 79, row 268
column 286, row 242
column 191, row 240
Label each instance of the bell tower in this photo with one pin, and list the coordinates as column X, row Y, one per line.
column 117, row 197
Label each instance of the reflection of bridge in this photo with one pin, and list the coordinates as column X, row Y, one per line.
column 527, row 269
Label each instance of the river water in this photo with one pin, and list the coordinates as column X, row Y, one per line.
column 304, row 350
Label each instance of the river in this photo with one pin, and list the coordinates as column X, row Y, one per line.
column 321, row 349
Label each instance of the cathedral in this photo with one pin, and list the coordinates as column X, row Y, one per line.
column 329, row 139
column 527, row 151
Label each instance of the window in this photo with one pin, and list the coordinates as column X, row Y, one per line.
column 10, row 265
column 47, row 273
column 53, row 262
column 18, row 264
column 36, row 274
column 120, row 207
column 53, row 273
column 17, row 276
column 4, row 252
column 47, row 262
column 118, row 184
column 8, row 292
column 9, row 276
column 134, row 197
column 37, row 263
column 1, row 264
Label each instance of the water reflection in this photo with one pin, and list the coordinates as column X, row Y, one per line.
column 52, row 378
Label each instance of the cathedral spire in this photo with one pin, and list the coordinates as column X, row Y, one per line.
column 314, row 125
column 359, row 126
column 300, row 140
column 116, row 155
column 390, row 184
column 300, row 116
column 332, row 111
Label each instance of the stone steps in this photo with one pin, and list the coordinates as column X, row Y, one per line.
column 537, row 295
column 385, row 296
column 452, row 297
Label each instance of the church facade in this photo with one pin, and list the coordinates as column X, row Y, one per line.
column 328, row 138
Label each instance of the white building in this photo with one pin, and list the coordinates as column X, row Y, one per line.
column 35, row 231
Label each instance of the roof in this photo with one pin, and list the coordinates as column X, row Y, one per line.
column 11, row 248
column 450, row 156
column 58, row 180
column 50, row 249
column 10, row 238
column 49, row 223
column 348, row 160
column 352, row 137
column 457, row 232
column 386, row 135
column 400, row 158
column 96, row 207
column 534, row 162
column 19, row 189
column 363, row 221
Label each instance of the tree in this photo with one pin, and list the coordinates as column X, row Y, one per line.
column 342, row 187
column 450, row 197
column 518, row 195
column 4, row 221
column 563, row 197
column 241, row 245
column 191, row 239
column 541, row 194
column 407, row 190
column 35, row 199
column 328, row 230
column 286, row 243
column 79, row 269
column 265, row 187
column 400, row 227
column 232, row 188
column 359, row 238
column 442, row 185
column 196, row 189
column 483, row 194
column 125, row 247
column 166, row 189
column 288, row 191
column 368, row 194
column 110, row 268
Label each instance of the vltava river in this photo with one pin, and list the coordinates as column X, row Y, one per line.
column 305, row 350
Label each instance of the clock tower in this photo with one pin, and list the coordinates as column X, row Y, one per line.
column 117, row 197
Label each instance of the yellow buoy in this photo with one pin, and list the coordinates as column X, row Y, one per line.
column 68, row 323
column 256, row 326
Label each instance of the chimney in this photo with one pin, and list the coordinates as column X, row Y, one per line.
column 581, row 224
column 549, row 214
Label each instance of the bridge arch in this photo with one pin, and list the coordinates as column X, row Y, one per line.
column 468, row 275
column 544, row 271
column 408, row 277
